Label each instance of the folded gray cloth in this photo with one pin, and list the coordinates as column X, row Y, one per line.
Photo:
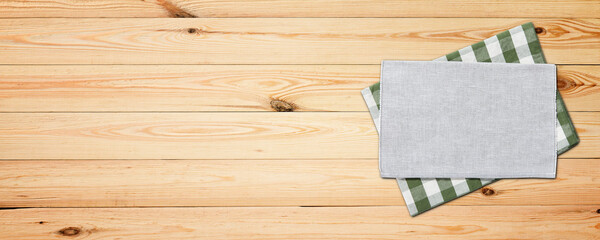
column 467, row 120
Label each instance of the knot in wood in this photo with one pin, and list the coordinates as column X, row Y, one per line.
column 540, row 30
column 192, row 30
column 564, row 84
column 174, row 10
column 488, row 191
column 69, row 231
column 282, row 106
column 598, row 211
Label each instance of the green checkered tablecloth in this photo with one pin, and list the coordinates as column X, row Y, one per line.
column 517, row 45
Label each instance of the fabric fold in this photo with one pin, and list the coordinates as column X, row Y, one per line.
column 517, row 45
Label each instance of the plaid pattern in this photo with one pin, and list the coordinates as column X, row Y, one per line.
column 517, row 45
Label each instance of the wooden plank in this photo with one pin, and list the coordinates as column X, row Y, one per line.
column 88, row 88
column 275, row 40
column 184, row 87
column 300, row 8
column 586, row 124
column 231, row 135
column 448, row 222
column 580, row 87
column 264, row 135
column 149, row 183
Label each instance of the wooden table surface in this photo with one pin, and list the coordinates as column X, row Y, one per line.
column 242, row 119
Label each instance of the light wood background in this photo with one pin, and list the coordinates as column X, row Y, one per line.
column 242, row 119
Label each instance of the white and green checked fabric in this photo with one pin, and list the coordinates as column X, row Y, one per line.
column 517, row 45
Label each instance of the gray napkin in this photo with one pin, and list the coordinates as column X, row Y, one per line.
column 467, row 120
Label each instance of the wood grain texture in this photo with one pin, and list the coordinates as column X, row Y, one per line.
column 449, row 222
column 184, row 87
column 247, row 135
column 151, row 183
column 580, row 87
column 275, row 40
column 121, row 122
column 300, row 8
column 131, row 88
column 187, row 135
